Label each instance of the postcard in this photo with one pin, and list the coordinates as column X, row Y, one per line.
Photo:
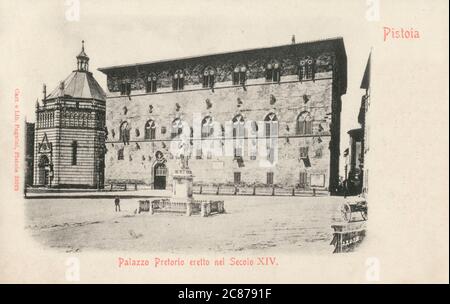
column 224, row 141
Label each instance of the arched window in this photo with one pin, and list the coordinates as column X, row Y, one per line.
column 271, row 125
column 178, row 80
column 253, row 140
column 304, row 124
column 150, row 130
column 238, row 135
column 206, row 147
column 306, row 69
column 124, row 135
column 125, row 88
column 208, row 77
column 151, row 83
column 207, row 127
column 74, row 152
column 75, row 119
column 80, row 119
column 177, row 127
column 239, row 75
column 271, row 133
column 273, row 72
column 84, row 120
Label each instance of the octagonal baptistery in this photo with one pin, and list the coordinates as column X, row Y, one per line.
column 70, row 132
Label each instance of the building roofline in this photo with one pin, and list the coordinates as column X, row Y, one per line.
column 111, row 68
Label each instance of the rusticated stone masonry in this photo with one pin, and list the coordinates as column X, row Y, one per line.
column 304, row 160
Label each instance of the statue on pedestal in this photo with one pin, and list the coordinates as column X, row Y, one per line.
column 183, row 160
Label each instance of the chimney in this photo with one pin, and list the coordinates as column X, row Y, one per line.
column 44, row 90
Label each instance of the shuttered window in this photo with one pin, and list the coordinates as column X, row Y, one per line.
column 237, row 177
column 303, row 179
column 270, row 178
column 120, row 154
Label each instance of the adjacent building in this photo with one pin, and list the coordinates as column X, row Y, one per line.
column 364, row 120
column 355, row 161
column 356, row 156
column 286, row 98
column 69, row 133
column 29, row 153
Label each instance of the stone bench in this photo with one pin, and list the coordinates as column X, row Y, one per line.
column 283, row 191
column 211, row 207
column 118, row 187
column 245, row 191
column 202, row 207
column 227, row 190
column 205, row 189
column 264, row 191
column 166, row 205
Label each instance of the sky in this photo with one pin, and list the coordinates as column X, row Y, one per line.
column 46, row 38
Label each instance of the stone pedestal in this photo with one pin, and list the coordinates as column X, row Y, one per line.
column 183, row 188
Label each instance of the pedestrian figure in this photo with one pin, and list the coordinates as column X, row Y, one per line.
column 117, row 203
column 346, row 188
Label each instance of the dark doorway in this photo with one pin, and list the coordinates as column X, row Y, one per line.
column 160, row 172
column 101, row 174
column 44, row 168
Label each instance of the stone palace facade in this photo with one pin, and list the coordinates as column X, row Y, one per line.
column 287, row 99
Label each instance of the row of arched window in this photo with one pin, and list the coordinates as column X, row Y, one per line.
column 303, row 127
column 75, row 119
column 306, row 71
column 70, row 119
column 46, row 120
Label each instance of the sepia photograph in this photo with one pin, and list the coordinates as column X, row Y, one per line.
column 234, row 137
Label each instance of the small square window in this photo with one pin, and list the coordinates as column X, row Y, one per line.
column 303, row 152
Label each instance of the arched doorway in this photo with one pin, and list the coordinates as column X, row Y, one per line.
column 44, row 169
column 159, row 173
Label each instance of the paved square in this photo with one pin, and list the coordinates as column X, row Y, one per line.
column 253, row 223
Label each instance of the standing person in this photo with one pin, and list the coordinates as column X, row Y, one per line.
column 117, row 203
column 345, row 188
